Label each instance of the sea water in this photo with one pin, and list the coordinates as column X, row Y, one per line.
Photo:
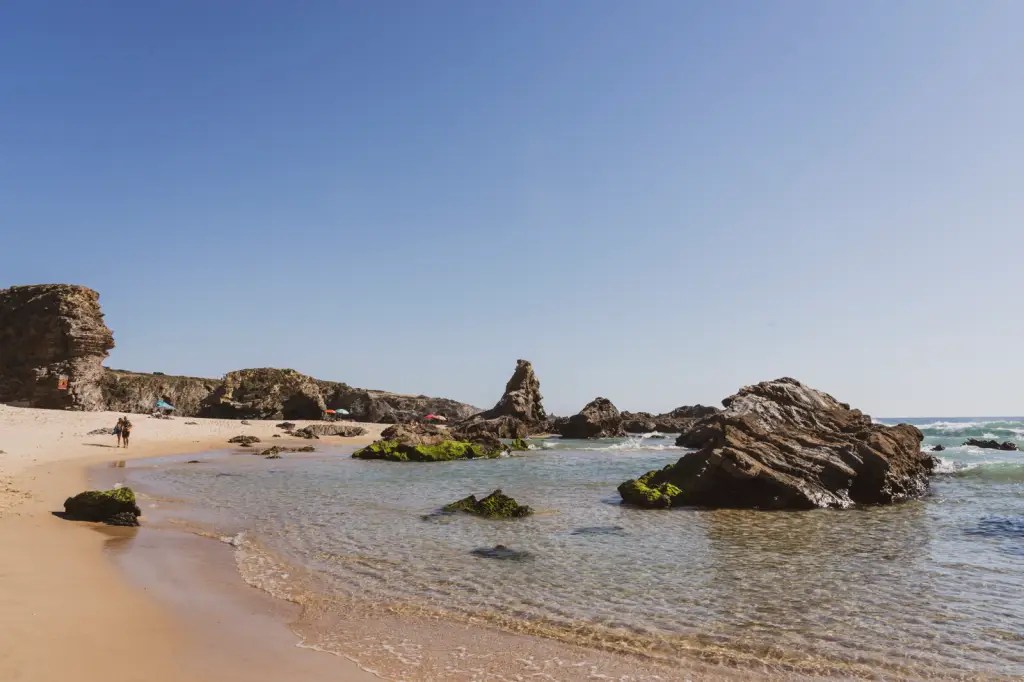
column 929, row 589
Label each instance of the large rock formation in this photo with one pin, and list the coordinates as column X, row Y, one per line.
column 598, row 419
column 383, row 407
column 518, row 413
column 265, row 393
column 135, row 392
column 782, row 445
column 52, row 345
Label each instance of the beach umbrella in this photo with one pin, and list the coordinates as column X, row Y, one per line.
column 341, row 411
column 329, row 411
column 436, row 417
column 164, row 405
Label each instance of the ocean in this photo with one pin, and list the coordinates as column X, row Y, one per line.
column 930, row 589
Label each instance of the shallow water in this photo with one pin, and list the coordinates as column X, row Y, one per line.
column 927, row 589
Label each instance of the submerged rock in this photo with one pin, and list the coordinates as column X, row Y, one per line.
column 396, row 451
column 600, row 530
column 991, row 444
column 115, row 507
column 598, row 419
column 497, row 505
column 501, row 552
column 782, row 445
column 275, row 450
column 938, row 448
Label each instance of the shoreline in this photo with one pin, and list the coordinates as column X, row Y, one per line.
column 68, row 610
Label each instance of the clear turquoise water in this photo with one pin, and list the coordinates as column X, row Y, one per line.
column 927, row 589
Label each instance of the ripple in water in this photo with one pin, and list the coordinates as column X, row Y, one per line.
column 928, row 589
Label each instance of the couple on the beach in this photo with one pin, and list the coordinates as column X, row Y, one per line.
column 122, row 431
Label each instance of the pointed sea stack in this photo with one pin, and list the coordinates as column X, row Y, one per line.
column 782, row 445
column 519, row 412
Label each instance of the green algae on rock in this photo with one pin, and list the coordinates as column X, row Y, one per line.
column 497, row 505
column 517, row 444
column 116, row 507
column 649, row 490
column 395, row 451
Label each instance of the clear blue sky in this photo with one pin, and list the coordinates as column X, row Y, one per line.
column 654, row 201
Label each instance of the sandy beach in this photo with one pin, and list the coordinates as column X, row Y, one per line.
column 66, row 609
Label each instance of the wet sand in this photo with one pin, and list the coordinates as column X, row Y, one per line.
column 66, row 609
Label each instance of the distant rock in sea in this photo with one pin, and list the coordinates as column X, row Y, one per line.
column 598, row 419
column 782, row 445
column 676, row 421
column 991, row 444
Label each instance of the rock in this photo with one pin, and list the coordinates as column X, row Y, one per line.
column 244, row 440
column 938, row 448
column 600, row 530
column 245, row 423
column 396, row 451
column 517, row 444
column 518, row 413
column 522, row 399
column 383, row 407
column 327, row 429
column 193, row 461
column 782, row 445
column 499, row 427
column 501, row 552
column 287, row 426
column 497, row 505
column 276, row 450
column 276, row 435
column 116, row 507
column 265, row 393
column 191, row 423
column 52, row 345
column 273, row 456
column 599, row 419
column 416, row 433
column 108, row 431
column 991, row 444
column 638, row 422
column 676, row 421
column 128, row 392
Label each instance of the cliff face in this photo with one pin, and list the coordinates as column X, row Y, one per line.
column 52, row 345
column 53, row 342
column 132, row 392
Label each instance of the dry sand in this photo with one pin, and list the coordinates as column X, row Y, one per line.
column 66, row 610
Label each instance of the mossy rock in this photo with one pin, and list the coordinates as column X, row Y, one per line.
column 517, row 444
column 394, row 451
column 497, row 505
column 647, row 492
column 244, row 441
column 116, row 507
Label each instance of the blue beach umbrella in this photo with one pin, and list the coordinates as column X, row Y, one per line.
column 164, row 405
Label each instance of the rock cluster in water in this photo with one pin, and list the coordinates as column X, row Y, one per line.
column 991, row 444
column 676, row 421
column 497, row 505
column 782, row 445
column 418, row 442
column 116, row 507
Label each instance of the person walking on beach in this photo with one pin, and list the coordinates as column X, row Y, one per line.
column 118, row 430
column 126, row 430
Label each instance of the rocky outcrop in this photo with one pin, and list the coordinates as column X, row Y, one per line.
column 598, row 419
column 383, row 407
column 991, row 444
column 676, row 421
column 138, row 393
column 518, row 413
column 265, row 393
column 782, row 445
column 328, row 429
column 53, row 342
column 497, row 505
column 444, row 451
column 52, row 345
column 116, row 507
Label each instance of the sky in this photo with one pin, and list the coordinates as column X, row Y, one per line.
column 656, row 202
